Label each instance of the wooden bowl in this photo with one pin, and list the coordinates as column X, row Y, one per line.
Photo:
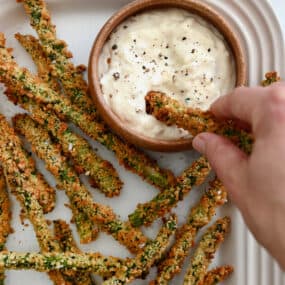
column 193, row 6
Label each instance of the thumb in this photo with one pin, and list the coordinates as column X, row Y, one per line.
column 227, row 160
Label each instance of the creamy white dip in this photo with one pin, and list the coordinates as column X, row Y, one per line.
column 167, row 50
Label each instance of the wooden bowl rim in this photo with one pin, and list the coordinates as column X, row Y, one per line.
column 136, row 7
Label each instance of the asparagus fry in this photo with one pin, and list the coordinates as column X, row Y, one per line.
column 46, row 262
column 77, row 91
column 25, row 84
column 5, row 213
column 18, row 176
column 146, row 213
column 5, row 217
column 85, row 227
column 56, row 50
column 126, row 270
column 44, row 65
column 101, row 171
column 65, row 239
column 152, row 252
column 171, row 112
column 79, row 196
column 34, row 48
column 217, row 275
column 203, row 255
column 270, row 78
column 199, row 217
column 73, row 145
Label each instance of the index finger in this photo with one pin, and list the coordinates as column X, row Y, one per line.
column 240, row 104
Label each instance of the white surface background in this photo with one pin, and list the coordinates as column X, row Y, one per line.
column 279, row 8
column 253, row 266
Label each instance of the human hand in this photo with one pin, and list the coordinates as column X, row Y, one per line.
column 256, row 183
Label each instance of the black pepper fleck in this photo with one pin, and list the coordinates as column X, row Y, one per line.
column 125, row 27
column 184, row 39
column 116, row 75
column 209, row 50
column 114, row 47
column 193, row 50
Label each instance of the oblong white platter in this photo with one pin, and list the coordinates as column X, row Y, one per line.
column 78, row 22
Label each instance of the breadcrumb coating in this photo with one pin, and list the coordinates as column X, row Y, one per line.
column 30, row 86
column 18, row 176
column 152, row 252
column 171, row 112
column 200, row 215
column 64, row 236
column 217, row 275
column 270, row 78
column 205, row 252
column 5, row 218
column 161, row 204
column 78, row 194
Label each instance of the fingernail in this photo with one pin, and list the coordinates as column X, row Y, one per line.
column 199, row 143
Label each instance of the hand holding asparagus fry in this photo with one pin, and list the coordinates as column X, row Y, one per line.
column 171, row 112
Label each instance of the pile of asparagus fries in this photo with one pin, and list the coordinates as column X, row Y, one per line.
column 58, row 95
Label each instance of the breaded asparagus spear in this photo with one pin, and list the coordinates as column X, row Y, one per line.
column 85, row 227
column 205, row 251
column 63, row 235
column 217, row 275
column 43, row 192
column 46, row 262
column 65, row 239
column 5, row 213
column 78, row 194
column 76, row 147
column 34, row 48
column 270, row 78
column 73, row 82
column 18, row 176
column 125, row 270
column 199, row 217
column 5, row 218
column 171, row 112
column 101, row 171
column 24, row 83
column 146, row 213
column 152, row 252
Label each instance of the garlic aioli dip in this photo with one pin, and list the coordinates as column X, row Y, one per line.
column 167, row 50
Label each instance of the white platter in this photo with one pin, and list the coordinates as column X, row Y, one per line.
column 78, row 22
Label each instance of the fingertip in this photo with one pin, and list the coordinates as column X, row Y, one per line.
column 199, row 143
column 239, row 104
column 225, row 158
